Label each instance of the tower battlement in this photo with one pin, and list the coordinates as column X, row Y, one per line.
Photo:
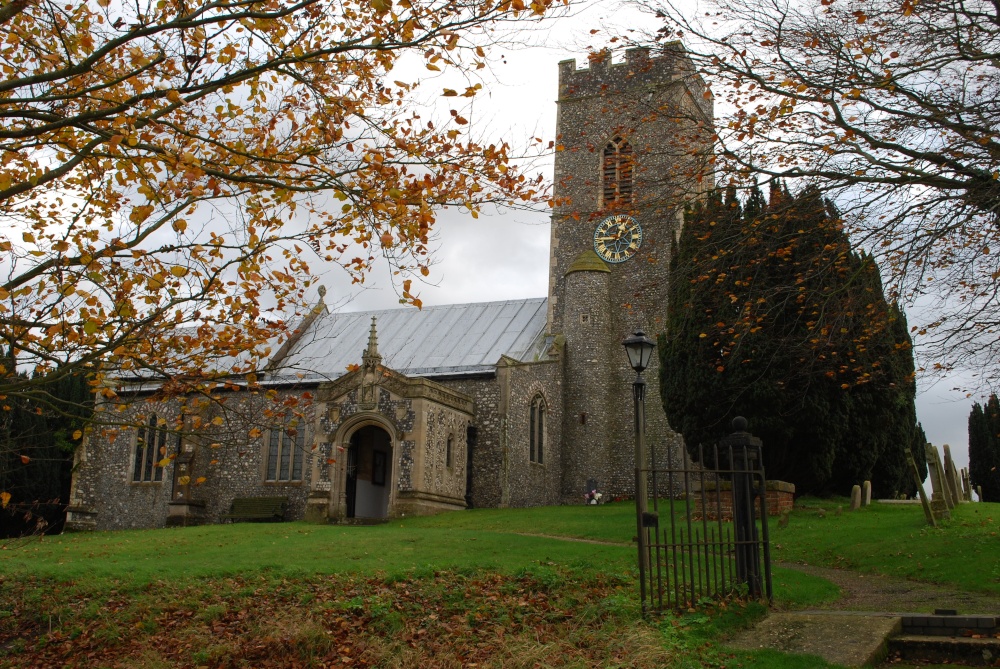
column 604, row 77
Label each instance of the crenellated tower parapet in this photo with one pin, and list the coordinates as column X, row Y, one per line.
column 603, row 77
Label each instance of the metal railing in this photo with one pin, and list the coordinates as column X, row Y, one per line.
column 707, row 537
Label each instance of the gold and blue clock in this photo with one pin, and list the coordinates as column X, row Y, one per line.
column 617, row 238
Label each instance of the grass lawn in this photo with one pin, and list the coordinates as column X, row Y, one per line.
column 895, row 540
column 487, row 588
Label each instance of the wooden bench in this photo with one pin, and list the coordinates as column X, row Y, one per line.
column 268, row 509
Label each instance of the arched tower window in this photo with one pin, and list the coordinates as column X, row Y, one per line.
column 536, row 438
column 617, row 172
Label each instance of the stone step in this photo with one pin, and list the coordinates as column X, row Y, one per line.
column 968, row 651
column 950, row 623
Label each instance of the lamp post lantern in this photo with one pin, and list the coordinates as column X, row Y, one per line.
column 639, row 348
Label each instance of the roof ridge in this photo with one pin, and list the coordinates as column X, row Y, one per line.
column 431, row 307
column 434, row 340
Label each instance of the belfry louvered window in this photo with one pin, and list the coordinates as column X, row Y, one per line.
column 617, row 172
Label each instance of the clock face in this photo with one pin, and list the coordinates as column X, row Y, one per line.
column 617, row 238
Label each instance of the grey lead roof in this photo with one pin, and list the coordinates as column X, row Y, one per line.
column 454, row 339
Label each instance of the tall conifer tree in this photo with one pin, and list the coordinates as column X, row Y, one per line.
column 774, row 317
column 984, row 448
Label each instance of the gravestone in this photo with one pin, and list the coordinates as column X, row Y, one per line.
column 941, row 483
column 951, row 477
column 928, row 514
column 855, row 498
column 939, row 499
column 866, row 493
column 979, row 492
column 966, row 485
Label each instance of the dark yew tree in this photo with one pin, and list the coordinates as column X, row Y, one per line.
column 773, row 316
column 37, row 437
column 984, row 448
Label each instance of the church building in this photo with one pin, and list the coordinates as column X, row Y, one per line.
column 524, row 402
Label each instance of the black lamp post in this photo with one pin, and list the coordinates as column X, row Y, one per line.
column 639, row 348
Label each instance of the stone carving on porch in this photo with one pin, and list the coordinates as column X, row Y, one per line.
column 370, row 372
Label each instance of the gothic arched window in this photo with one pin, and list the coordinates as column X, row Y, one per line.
column 536, row 438
column 617, row 172
column 285, row 453
column 150, row 450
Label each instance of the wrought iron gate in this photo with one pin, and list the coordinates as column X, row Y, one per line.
column 706, row 535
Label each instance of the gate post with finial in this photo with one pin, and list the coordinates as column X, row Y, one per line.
column 744, row 451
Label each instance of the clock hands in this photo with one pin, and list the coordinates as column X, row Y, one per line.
column 617, row 238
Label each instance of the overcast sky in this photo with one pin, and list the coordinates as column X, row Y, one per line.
column 505, row 255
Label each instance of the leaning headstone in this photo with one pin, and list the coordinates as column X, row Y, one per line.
column 966, row 485
column 866, row 493
column 951, row 476
column 928, row 514
column 932, row 471
column 938, row 484
column 855, row 498
column 939, row 496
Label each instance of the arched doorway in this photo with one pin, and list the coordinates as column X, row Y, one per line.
column 369, row 473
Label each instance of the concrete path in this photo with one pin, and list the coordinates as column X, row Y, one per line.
column 852, row 631
column 875, row 592
column 850, row 639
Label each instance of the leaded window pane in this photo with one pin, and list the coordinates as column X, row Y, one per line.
column 140, row 449
column 286, row 452
column 531, row 432
column 297, row 457
column 147, row 468
column 159, row 453
column 272, row 455
column 541, row 431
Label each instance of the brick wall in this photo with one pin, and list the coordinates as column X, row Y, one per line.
column 779, row 498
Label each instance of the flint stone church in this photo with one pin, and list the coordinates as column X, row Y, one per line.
column 500, row 404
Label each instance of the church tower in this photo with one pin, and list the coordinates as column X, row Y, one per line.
column 634, row 141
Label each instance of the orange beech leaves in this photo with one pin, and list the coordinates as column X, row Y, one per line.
column 447, row 619
column 171, row 170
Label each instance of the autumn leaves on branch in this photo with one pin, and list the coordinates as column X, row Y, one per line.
column 891, row 108
column 173, row 170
